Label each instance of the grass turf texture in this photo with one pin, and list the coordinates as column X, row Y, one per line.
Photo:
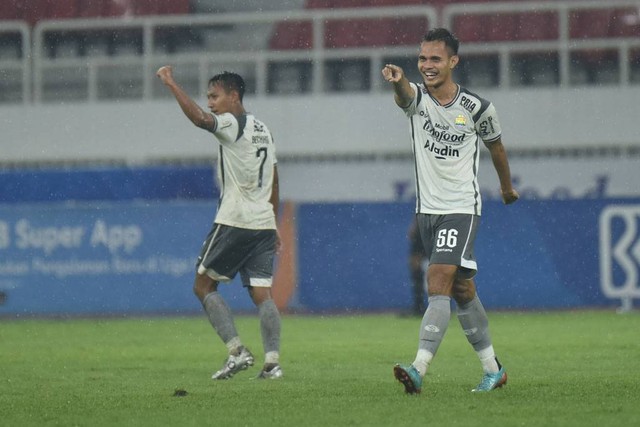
column 568, row 369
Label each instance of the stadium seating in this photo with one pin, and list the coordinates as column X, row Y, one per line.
column 34, row 11
column 8, row 10
column 347, row 33
column 490, row 27
column 471, row 25
column 537, row 26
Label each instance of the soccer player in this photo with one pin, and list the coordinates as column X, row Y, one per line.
column 244, row 237
column 447, row 125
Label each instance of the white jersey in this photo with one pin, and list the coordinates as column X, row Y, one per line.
column 446, row 144
column 245, row 172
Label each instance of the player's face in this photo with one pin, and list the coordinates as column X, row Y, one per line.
column 218, row 100
column 435, row 63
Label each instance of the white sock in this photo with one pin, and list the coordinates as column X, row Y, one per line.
column 423, row 359
column 233, row 345
column 488, row 360
column 272, row 357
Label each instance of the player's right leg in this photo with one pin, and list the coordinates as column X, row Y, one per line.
column 432, row 328
column 220, row 317
column 220, row 260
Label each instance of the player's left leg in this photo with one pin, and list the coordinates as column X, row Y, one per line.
column 475, row 324
column 257, row 276
column 220, row 258
column 269, row 330
column 220, row 317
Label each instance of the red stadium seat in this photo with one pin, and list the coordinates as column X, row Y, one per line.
column 292, row 35
column 174, row 7
column 342, row 34
column 114, row 8
column 91, row 8
column 537, row 26
column 469, row 28
column 62, row 9
column 32, row 12
column 625, row 23
column 585, row 24
column 345, row 33
column 8, row 10
column 501, row 27
column 145, row 7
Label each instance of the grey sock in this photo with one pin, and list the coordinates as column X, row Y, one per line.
column 220, row 316
column 475, row 324
column 269, row 326
column 434, row 323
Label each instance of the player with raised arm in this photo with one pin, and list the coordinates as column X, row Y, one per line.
column 448, row 123
column 244, row 237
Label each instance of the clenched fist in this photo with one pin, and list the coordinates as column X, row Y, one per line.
column 165, row 74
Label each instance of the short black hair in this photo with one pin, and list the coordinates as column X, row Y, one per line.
column 229, row 81
column 443, row 35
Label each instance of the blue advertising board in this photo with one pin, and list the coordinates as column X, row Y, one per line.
column 103, row 257
column 137, row 257
column 531, row 255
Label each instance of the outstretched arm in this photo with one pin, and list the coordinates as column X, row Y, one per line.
column 403, row 92
column 501, row 163
column 197, row 115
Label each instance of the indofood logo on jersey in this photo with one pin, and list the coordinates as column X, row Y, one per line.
column 441, row 132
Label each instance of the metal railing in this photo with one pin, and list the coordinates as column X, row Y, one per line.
column 240, row 41
column 84, row 74
column 563, row 46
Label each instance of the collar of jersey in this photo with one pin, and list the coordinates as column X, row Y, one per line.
column 438, row 102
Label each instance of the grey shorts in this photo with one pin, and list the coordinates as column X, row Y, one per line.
column 229, row 250
column 449, row 239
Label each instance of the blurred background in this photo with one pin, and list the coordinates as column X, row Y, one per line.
column 106, row 189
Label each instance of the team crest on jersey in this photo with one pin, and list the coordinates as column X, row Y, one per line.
column 460, row 121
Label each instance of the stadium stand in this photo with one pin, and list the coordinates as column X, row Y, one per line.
column 508, row 43
column 33, row 11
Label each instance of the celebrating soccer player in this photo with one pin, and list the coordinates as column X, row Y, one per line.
column 447, row 124
column 244, row 237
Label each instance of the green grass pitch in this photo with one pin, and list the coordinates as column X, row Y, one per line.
column 565, row 369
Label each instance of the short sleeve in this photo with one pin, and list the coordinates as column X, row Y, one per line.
column 411, row 109
column 226, row 129
column 488, row 125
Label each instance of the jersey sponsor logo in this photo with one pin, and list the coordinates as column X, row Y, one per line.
column 441, row 152
column 441, row 132
column 468, row 103
column 486, row 127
